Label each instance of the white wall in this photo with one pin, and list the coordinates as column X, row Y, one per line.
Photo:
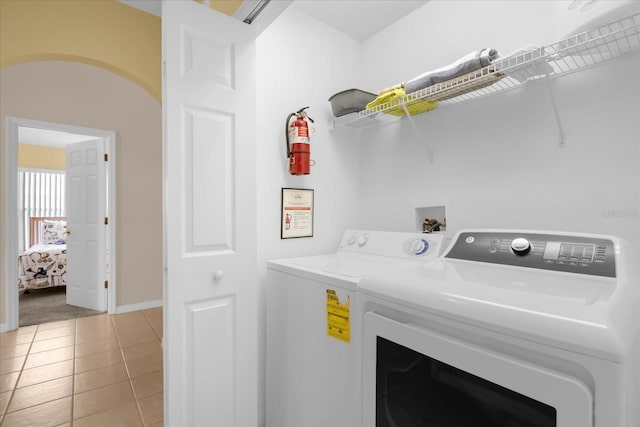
column 497, row 159
column 302, row 62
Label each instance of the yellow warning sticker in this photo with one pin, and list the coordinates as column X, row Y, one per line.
column 338, row 317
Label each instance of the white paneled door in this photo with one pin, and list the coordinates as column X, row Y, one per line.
column 210, row 289
column 86, row 212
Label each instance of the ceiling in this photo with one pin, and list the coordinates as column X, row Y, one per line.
column 49, row 138
column 359, row 19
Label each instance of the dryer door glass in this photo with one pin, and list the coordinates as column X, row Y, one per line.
column 415, row 376
column 415, row 390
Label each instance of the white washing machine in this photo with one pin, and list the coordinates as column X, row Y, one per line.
column 314, row 333
column 505, row 329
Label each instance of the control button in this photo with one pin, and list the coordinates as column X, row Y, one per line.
column 520, row 246
column 573, row 263
column 495, row 242
column 362, row 240
column 586, row 259
column 600, row 261
column 470, row 239
column 351, row 240
column 493, row 250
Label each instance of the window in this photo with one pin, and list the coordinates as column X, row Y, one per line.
column 40, row 193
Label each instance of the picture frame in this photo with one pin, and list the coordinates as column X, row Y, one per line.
column 296, row 217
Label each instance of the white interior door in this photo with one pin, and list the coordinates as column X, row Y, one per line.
column 210, row 332
column 86, row 212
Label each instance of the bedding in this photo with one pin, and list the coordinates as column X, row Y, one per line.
column 44, row 264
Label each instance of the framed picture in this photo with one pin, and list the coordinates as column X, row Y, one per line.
column 296, row 218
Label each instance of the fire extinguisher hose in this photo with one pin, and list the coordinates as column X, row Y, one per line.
column 286, row 134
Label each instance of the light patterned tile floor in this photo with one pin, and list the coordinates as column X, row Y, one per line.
column 103, row 370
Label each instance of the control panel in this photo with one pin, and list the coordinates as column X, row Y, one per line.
column 574, row 254
column 392, row 244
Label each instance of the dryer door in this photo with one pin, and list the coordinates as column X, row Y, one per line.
column 413, row 376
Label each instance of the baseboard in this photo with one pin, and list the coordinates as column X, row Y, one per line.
column 3, row 327
column 140, row 306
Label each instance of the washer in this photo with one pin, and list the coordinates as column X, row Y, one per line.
column 507, row 328
column 314, row 331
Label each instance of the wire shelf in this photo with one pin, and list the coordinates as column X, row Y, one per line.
column 575, row 53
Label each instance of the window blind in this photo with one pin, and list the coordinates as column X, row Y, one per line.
column 40, row 193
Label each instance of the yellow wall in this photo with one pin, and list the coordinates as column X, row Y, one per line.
column 103, row 33
column 39, row 157
column 228, row 7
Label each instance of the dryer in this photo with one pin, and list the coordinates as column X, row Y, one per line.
column 507, row 328
column 314, row 331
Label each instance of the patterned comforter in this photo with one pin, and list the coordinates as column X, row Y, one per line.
column 42, row 266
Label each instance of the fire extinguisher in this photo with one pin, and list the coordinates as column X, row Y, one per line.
column 298, row 143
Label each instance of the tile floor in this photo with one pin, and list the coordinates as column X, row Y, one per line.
column 103, row 370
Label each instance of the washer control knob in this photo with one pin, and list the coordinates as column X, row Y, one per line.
column 520, row 246
column 351, row 240
column 419, row 246
column 362, row 240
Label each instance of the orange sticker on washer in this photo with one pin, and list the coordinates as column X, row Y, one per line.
column 338, row 325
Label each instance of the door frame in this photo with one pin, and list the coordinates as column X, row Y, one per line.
column 11, row 215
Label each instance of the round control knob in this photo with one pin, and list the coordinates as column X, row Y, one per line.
column 417, row 246
column 362, row 240
column 520, row 246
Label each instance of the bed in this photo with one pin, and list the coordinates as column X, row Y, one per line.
column 44, row 264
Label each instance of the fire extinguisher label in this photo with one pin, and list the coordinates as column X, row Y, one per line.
column 303, row 132
column 299, row 135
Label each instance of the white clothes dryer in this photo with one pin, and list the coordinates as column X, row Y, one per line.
column 507, row 328
column 314, row 333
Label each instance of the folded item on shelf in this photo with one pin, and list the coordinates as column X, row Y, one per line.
column 387, row 95
column 468, row 63
column 393, row 95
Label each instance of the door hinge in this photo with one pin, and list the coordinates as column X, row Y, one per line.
column 106, row 220
column 106, row 157
column 106, row 284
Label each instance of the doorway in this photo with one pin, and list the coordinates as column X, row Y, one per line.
column 14, row 127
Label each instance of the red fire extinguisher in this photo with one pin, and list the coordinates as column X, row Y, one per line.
column 298, row 143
